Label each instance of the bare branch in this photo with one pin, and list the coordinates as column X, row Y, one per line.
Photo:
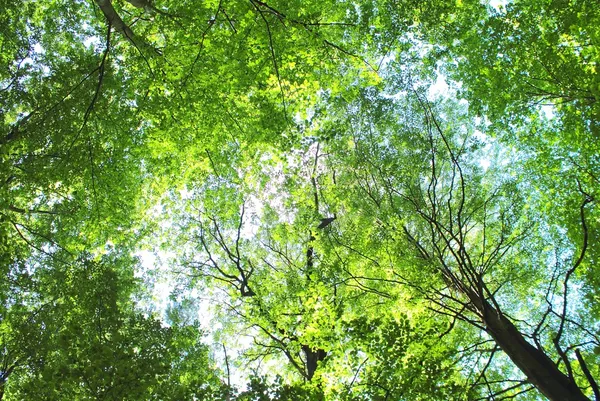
column 587, row 374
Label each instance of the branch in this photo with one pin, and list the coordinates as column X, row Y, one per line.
column 211, row 22
column 487, row 365
column 114, row 19
column 588, row 375
column 285, row 350
column 584, row 246
column 90, row 108
column 510, row 388
column 272, row 48
column 308, row 27
column 227, row 365
column 30, row 211
column 356, row 375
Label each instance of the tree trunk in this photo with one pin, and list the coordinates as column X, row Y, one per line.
column 540, row 370
column 312, row 358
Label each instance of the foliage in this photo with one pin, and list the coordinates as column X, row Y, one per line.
column 293, row 173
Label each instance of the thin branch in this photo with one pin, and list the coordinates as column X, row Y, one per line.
column 587, row 374
column 356, row 375
column 211, row 22
column 584, row 246
column 487, row 365
column 272, row 48
column 30, row 211
column 227, row 365
column 90, row 108
column 212, row 163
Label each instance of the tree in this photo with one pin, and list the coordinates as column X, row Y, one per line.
column 219, row 251
column 289, row 291
column 80, row 336
column 467, row 237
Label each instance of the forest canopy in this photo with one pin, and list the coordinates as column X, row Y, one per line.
column 299, row 200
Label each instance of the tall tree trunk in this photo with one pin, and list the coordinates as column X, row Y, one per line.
column 540, row 370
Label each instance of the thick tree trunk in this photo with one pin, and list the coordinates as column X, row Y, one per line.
column 312, row 358
column 541, row 371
